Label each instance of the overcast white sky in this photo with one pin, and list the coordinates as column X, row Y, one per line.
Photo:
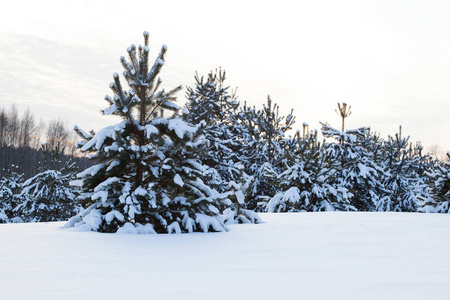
column 390, row 60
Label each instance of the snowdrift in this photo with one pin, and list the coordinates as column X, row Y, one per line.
column 332, row 255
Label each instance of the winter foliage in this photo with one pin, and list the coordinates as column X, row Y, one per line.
column 148, row 175
column 267, row 147
column 10, row 186
column 403, row 176
column 212, row 103
column 48, row 196
column 214, row 162
column 240, row 193
column 439, row 184
column 352, row 170
column 309, row 181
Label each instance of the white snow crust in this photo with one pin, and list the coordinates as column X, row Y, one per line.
column 181, row 128
column 332, row 255
column 177, row 179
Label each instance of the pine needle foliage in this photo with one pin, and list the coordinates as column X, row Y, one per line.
column 148, row 173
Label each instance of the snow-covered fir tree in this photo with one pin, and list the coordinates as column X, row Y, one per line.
column 148, row 172
column 265, row 152
column 439, row 185
column 307, row 182
column 48, row 195
column 368, row 189
column 354, row 165
column 210, row 101
column 403, row 180
column 10, row 186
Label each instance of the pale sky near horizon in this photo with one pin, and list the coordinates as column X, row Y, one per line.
column 390, row 60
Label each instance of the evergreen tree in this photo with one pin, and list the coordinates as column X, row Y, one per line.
column 368, row 189
column 148, row 172
column 228, row 137
column 403, row 184
column 211, row 102
column 271, row 132
column 48, row 196
column 266, row 148
column 439, row 186
column 354, row 165
column 10, row 186
column 307, row 182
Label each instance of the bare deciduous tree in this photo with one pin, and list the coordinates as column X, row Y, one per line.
column 13, row 127
column 3, row 127
column 26, row 130
column 343, row 111
column 57, row 134
column 436, row 152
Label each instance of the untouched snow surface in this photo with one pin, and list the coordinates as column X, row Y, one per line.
column 331, row 255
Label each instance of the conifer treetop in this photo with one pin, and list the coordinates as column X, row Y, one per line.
column 143, row 101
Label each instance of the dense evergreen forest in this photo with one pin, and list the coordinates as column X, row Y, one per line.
column 213, row 161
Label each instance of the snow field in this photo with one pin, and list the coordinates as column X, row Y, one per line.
column 333, row 255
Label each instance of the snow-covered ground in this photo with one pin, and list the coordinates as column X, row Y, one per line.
column 291, row 256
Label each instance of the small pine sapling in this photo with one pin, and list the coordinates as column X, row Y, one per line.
column 10, row 186
column 147, row 176
column 48, row 195
column 267, row 129
column 212, row 102
column 403, row 186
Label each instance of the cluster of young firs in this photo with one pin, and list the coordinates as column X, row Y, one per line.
column 216, row 162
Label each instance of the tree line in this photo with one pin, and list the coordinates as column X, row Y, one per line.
column 21, row 139
column 350, row 170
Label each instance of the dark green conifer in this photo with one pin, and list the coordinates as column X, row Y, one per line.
column 148, row 171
